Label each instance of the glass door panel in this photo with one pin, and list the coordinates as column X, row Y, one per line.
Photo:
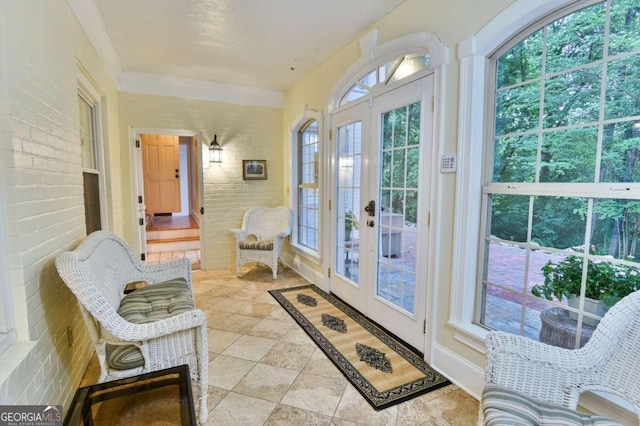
column 397, row 231
column 349, row 168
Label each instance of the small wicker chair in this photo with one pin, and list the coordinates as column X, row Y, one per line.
column 169, row 333
column 608, row 362
column 269, row 226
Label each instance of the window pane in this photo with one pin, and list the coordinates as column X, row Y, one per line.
column 623, row 87
column 625, row 26
column 569, row 156
column 413, row 168
column 354, row 93
column 399, row 126
column 517, row 109
column 308, row 194
column 87, row 134
column 515, row 159
column 409, row 65
column 621, row 152
column 573, row 97
column 414, row 124
column 522, row 62
column 370, row 79
column 576, row 39
column 616, row 228
column 509, row 217
column 398, row 168
column 559, row 222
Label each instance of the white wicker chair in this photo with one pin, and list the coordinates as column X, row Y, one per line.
column 269, row 226
column 608, row 362
column 97, row 272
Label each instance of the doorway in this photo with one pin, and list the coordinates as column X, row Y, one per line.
column 380, row 220
column 167, row 178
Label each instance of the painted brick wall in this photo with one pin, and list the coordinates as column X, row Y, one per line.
column 41, row 174
column 244, row 132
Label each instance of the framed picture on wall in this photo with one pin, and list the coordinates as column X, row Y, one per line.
column 254, row 169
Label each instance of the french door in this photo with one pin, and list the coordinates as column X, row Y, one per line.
column 379, row 220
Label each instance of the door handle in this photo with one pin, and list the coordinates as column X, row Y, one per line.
column 370, row 223
column 371, row 208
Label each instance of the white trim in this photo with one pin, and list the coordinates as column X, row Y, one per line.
column 89, row 18
column 151, row 84
column 303, row 118
column 373, row 56
column 466, row 375
column 303, row 269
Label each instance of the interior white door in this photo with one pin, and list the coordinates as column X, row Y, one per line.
column 381, row 192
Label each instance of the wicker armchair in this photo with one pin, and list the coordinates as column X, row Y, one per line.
column 136, row 337
column 269, row 226
column 557, row 376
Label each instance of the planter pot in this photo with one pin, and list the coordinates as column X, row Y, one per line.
column 596, row 307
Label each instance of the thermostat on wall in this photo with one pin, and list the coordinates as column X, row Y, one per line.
column 448, row 163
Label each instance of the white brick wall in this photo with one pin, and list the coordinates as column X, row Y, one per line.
column 244, row 132
column 41, row 174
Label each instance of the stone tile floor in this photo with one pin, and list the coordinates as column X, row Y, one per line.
column 264, row 370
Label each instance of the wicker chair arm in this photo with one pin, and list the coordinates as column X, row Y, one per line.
column 240, row 234
column 155, row 273
column 502, row 345
column 283, row 234
column 543, row 371
column 126, row 331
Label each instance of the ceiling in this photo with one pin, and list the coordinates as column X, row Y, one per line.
column 261, row 44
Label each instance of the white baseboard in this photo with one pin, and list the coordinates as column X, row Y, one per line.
column 464, row 374
column 303, row 269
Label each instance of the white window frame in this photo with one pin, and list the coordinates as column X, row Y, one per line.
column 90, row 93
column 474, row 101
column 300, row 122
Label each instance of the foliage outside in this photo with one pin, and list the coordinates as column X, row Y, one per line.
column 606, row 281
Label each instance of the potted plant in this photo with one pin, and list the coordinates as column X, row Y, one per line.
column 350, row 223
column 606, row 284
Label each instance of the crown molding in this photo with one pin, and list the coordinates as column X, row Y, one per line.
column 151, row 84
column 91, row 22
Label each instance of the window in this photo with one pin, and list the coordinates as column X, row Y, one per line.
column 89, row 116
column 386, row 74
column 306, row 176
column 561, row 176
column 308, row 186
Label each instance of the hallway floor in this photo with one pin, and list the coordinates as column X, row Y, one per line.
column 264, row 370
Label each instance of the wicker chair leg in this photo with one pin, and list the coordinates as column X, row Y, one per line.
column 203, row 372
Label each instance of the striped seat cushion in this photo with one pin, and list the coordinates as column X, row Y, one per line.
column 256, row 245
column 145, row 305
column 503, row 406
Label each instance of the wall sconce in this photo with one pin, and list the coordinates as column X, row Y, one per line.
column 215, row 152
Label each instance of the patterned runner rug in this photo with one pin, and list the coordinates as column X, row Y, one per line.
column 383, row 370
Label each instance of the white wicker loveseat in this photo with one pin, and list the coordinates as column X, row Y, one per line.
column 149, row 329
column 528, row 382
column 269, row 226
